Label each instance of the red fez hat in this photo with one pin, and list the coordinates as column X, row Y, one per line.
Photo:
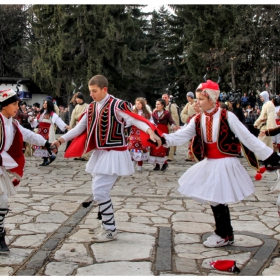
column 209, row 84
column 225, row 265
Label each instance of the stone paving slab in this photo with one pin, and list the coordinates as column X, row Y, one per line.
column 48, row 229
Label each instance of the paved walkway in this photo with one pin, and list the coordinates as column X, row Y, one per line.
column 160, row 231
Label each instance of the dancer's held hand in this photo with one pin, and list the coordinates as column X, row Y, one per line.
column 155, row 138
column 262, row 133
column 56, row 144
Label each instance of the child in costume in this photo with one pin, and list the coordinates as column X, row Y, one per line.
column 45, row 121
column 12, row 135
column 162, row 118
column 218, row 177
column 138, row 151
column 101, row 128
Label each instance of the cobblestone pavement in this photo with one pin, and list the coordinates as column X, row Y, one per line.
column 160, row 232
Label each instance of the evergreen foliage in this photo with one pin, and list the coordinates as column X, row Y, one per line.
column 142, row 54
column 12, row 35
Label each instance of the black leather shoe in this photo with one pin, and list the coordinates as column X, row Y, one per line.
column 45, row 163
column 3, row 246
column 164, row 166
column 157, row 167
column 52, row 158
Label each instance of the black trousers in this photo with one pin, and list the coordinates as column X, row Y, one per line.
column 222, row 220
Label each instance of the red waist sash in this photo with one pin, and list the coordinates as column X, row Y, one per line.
column 212, row 151
column 115, row 149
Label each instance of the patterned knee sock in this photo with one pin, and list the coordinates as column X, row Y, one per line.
column 107, row 213
column 3, row 213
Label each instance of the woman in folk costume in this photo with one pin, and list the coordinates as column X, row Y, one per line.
column 139, row 153
column 12, row 135
column 101, row 129
column 267, row 118
column 161, row 119
column 218, row 177
column 45, row 121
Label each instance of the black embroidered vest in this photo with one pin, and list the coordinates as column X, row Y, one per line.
column 104, row 129
column 226, row 141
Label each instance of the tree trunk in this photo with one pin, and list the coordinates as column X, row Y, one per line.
column 232, row 75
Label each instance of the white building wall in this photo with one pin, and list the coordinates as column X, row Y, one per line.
column 39, row 98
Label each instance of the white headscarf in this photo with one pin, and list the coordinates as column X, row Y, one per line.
column 265, row 96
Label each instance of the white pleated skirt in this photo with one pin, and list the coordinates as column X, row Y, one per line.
column 110, row 162
column 6, row 185
column 139, row 155
column 220, row 181
column 157, row 160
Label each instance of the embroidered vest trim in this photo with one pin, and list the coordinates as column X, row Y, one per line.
column 15, row 151
column 226, row 141
column 104, row 129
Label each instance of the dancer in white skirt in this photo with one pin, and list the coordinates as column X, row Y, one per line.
column 101, row 129
column 12, row 135
column 218, row 178
column 45, row 122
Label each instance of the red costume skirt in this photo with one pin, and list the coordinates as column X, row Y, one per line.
column 43, row 130
column 161, row 152
column 135, row 140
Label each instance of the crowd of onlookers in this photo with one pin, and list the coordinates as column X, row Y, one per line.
column 250, row 104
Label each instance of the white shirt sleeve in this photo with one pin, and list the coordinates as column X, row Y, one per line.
column 181, row 136
column 77, row 130
column 59, row 122
column 261, row 150
column 34, row 123
column 131, row 121
column 31, row 137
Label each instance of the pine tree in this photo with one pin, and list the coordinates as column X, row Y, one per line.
column 75, row 42
column 12, row 34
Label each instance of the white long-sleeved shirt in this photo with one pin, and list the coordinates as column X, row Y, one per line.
column 55, row 120
column 82, row 125
column 183, row 135
column 10, row 131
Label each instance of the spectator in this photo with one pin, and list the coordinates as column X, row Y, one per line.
column 147, row 105
column 62, row 115
column 72, row 105
column 225, row 97
column 174, row 111
column 267, row 118
column 36, row 109
column 248, row 108
column 252, row 99
column 244, row 100
column 188, row 110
